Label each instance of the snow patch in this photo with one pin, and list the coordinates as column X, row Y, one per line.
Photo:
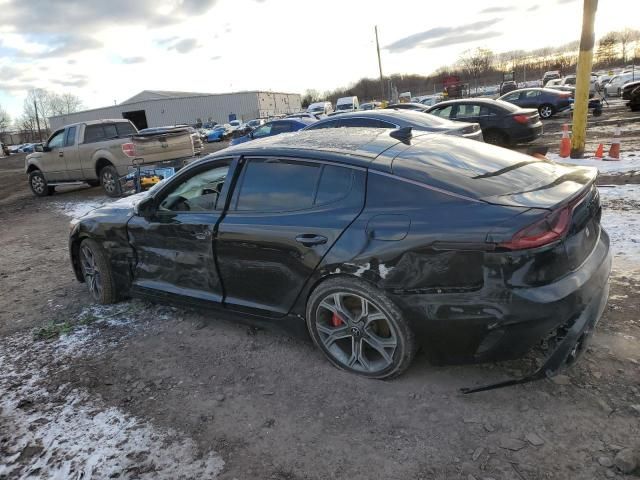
column 384, row 270
column 629, row 162
column 361, row 269
column 79, row 209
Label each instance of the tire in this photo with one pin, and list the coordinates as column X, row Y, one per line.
column 495, row 138
column 38, row 184
column 109, row 179
column 546, row 111
column 378, row 345
column 97, row 272
column 93, row 183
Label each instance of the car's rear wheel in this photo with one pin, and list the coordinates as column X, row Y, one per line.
column 38, row 184
column 97, row 272
column 546, row 111
column 110, row 181
column 359, row 329
column 495, row 138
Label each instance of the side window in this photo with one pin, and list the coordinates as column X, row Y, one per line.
column 276, row 186
column 110, row 131
column 125, row 129
column 531, row 94
column 365, row 123
column 93, row 133
column 57, row 140
column 443, row 112
column 335, row 183
column 70, row 139
column 487, row 111
column 511, row 97
column 280, row 127
column 199, row 193
column 263, row 131
column 328, row 124
column 465, row 111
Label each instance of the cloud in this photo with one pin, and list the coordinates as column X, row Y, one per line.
column 185, row 45
column 533, row 8
column 464, row 38
column 497, row 9
column 564, row 1
column 197, row 6
column 438, row 33
column 77, row 81
column 70, row 44
column 9, row 73
column 131, row 60
column 216, row 57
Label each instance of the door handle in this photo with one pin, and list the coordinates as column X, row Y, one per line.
column 311, row 239
column 61, row 153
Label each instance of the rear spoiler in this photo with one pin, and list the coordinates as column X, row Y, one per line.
column 170, row 132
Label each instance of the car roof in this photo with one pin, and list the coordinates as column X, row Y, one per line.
column 409, row 104
column 304, row 120
column 350, row 146
column 97, row 122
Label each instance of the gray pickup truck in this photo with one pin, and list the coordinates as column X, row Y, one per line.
column 99, row 152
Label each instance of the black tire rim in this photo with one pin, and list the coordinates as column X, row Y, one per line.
column 38, row 184
column 355, row 332
column 108, row 181
column 91, row 272
column 546, row 111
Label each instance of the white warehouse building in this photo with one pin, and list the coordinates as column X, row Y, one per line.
column 156, row 108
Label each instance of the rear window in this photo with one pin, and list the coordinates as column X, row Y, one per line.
column 125, row 129
column 93, row 133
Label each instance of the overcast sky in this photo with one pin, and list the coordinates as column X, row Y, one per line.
column 108, row 50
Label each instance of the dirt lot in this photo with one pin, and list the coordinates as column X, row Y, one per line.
column 139, row 390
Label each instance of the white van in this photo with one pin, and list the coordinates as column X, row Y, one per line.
column 614, row 87
column 347, row 104
column 320, row 108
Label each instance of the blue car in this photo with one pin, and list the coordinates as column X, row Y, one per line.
column 275, row 127
column 219, row 133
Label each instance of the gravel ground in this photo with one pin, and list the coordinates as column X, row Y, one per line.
column 138, row 390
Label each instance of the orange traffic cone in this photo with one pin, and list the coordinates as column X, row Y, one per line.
column 614, row 151
column 600, row 151
column 565, row 143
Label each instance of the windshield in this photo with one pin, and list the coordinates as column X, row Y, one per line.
column 317, row 108
column 345, row 106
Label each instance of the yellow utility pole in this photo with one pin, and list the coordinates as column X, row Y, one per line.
column 583, row 77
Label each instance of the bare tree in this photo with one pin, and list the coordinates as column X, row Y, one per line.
column 625, row 37
column 606, row 53
column 5, row 120
column 476, row 63
column 64, row 104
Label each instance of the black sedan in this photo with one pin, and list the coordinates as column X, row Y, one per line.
column 627, row 88
column 386, row 118
column 407, row 106
column 378, row 245
column 502, row 123
column 547, row 101
column 634, row 100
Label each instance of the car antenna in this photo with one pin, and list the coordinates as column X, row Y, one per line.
column 402, row 134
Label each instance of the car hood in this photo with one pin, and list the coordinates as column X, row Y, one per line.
column 123, row 207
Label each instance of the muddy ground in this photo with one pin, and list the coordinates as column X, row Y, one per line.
column 138, row 390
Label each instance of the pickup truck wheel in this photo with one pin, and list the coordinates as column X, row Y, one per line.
column 38, row 184
column 110, row 181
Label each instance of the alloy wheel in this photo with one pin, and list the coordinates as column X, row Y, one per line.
column 355, row 332
column 37, row 183
column 108, row 182
column 545, row 112
column 91, row 272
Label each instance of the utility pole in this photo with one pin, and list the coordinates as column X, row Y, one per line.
column 35, row 105
column 583, row 77
column 379, row 66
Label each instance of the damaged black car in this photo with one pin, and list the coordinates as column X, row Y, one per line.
column 379, row 241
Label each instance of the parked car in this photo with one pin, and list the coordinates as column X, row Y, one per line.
column 275, row 127
column 602, row 81
column 99, row 152
column 553, row 83
column 195, row 135
column 312, row 116
column 26, row 148
column 376, row 245
column 509, row 86
column 370, row 105
column 627, row 88
column 550, row 75
column 13, row 149
column 614, row 87
column 324, row 108
column 547, row 101
column 400, row 119
column 634, row 100
column 219, row 133
column 347, row 104
column 408, row 106
column 502, row 123
column 431, row 100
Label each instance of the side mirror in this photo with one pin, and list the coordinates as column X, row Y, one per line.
column 145, row 208
column 38, row 148
column 46, row 148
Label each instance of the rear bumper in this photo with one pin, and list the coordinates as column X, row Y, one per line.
column 502, row 323
column 528, row 134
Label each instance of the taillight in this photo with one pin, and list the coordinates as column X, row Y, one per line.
column 521, row 119
column 551, row 228
column 565, row 94
column 129, row 149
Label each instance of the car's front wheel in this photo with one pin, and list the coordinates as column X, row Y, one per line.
column 546, row 111
column 97, row 272
column 38, row 184
column 110, row 181
column 359, row 328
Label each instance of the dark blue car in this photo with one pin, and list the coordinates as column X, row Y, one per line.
column 274, row 127
column 546, row 100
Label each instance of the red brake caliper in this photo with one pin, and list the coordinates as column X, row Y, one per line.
column 335, row 321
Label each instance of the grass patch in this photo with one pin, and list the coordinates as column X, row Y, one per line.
column 53, row 330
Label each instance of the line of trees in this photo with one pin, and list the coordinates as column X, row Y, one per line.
column 46, row 104
column 481, row 66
